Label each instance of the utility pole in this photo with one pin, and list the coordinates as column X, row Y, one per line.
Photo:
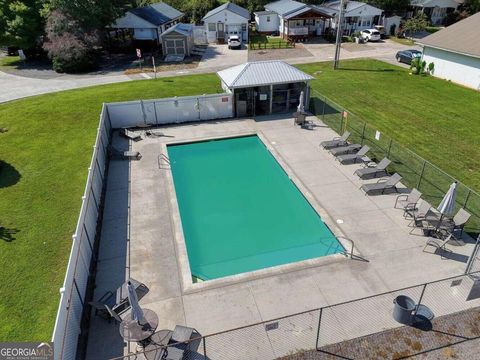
column 338, row 41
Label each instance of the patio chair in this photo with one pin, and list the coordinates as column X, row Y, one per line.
column 117, row 301
column 354, row 158
column 382, row 185
column 423, row 218
column 379, row 169
column 135, row 136
column 125, row 155
column 458, row 222
column 438, row 244
column 336, row 141
column 408, row 202
column 352, row 148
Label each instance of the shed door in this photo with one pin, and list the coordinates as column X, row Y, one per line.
column 176, row 47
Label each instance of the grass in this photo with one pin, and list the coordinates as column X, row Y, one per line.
column 48, row 146
column 260, row 41
column 45, row 155
column 9, row 61
column 403, row 41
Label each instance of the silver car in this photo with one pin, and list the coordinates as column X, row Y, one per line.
column 371, row 35
column 234, row 42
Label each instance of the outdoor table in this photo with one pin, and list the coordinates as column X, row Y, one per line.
column 156, row 348
column 131, row 330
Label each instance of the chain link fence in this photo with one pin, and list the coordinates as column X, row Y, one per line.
column 416, row 171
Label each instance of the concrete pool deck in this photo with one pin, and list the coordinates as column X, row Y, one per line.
column 138, row 241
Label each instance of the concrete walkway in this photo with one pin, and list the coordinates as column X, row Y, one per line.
column 142, row 246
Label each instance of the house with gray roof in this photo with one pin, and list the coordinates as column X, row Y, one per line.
column 292, row 19
column 455, row 52
column 358, row 15
column 148, row 22
column 265, row 87
column 435, row 10
column 225, row 20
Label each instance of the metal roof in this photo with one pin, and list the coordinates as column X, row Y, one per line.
column 262, row 73
column 439, row 3
column 284, row 7
column 181, row 28
column 315, row 9
column 157, row 14
column 231, row 7
column 461, row 37
column 351, row 5
column 264, row 12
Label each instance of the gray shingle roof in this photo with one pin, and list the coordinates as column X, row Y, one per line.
column 184, row 29
column 351, row 5
column 461, row 37
column 157, row 14
column 231, row 7
column 262, row 73
column 284, row 7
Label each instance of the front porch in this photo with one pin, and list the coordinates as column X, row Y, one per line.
column 305, row 25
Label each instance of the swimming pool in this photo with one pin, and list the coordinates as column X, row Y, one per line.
column 239, row 210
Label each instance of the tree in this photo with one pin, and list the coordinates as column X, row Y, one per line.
column 21, row 23
column 471, row 6
column 69, row 47
column 417, row 23
column 391, row 7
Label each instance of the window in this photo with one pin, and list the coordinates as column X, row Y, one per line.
column 244, row 27
column 268, row 18
column 212, row 27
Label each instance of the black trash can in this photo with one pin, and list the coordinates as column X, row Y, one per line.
column 403, row 309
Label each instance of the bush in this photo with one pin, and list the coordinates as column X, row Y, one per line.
column 70, row 49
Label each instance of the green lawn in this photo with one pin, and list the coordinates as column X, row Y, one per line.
column 48, row 146
column 435, row 118
column 9, row 61
column 260, row 41
column 45, row 155
column 403, row 41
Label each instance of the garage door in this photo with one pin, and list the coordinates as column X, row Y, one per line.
column 176, row 47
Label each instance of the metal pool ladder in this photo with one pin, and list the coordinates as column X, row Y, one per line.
column 163, row 161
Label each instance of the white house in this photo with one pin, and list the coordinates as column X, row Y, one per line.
column 455, row 52
column 358, row 15
column 436, row 10
column 227, row 19
column 148, row 22
column 292, row 19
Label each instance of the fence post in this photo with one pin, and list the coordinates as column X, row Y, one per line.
column 323, row 108
column 389, row 147
column 472, row 256
column 318, row 329
column 363, row 132
column 421, row 174
column 466, row 198
column 204, row 347
column 341, row 124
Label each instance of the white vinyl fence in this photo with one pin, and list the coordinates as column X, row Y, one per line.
column 115, row 115
column 200, row 35
column 171, row 110
column 72, row 294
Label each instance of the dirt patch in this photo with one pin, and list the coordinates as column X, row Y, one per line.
column 279, row 54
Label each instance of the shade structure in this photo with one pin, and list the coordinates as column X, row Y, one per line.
column 301, row 103
column 137, row 312
column 447, row 205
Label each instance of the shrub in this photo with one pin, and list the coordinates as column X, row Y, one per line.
column 70, row 49
column 417, row 66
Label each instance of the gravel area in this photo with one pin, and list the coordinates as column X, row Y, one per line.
column 279, row 54
column 455, row 336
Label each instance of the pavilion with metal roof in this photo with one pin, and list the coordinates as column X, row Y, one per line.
column 265, row 87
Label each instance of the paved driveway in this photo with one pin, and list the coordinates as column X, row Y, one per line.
column 220, row 56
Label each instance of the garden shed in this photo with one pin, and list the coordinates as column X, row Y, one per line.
column 178, row 40
column 265, row 87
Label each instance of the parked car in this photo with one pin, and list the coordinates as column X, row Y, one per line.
column 234, row 42
column 406, row 56
column 371, row 35
column 381, row 30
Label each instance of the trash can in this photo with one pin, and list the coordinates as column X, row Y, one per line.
column 403, row 309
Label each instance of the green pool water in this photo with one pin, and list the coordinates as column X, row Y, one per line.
column 239, row 210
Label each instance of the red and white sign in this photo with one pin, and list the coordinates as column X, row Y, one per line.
column 224, row 99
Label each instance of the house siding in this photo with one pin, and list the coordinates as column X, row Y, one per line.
column 461, row 69
column 228, row 18
column 267, row 26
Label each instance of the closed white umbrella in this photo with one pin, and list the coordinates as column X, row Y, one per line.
column 447, row 206
column 301, row 103
column 137, row 312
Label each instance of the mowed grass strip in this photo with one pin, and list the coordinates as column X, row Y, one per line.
column 45, row 155
column 437, row 119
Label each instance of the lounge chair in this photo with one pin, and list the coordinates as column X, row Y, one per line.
column 422, row 218
column 135, row 136
column 336, row 141
column 438, row 244
column 408, row 202
column 117, row 301
column 458, row 222
column 382, row 185
column 174, row 343
column 345, row 149
column 125, row 155
column 354, row 158
column 379, row 169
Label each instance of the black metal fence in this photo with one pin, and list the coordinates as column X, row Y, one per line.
column 307, row 334
column 416, row 171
